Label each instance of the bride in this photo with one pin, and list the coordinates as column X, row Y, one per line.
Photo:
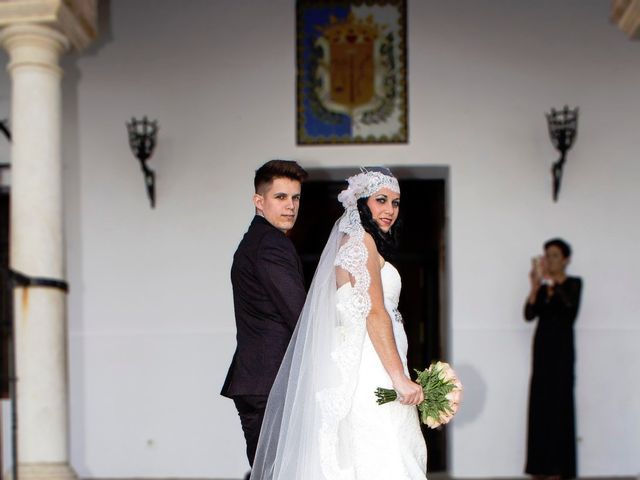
column 322, row 421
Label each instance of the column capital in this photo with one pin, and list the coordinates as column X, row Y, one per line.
column 75, row 19
column 33, row 45
column 626, row 14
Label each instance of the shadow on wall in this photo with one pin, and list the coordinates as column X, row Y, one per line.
column 474, row 386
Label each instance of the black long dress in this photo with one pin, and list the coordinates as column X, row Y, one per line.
column 551, row 440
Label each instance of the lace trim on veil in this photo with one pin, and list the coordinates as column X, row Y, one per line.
column 335, row 402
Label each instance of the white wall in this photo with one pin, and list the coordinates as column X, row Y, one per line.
column 150, row 309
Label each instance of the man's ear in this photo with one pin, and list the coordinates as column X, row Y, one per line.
column 258, row 201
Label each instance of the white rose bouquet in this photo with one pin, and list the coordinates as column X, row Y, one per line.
column 442, row 394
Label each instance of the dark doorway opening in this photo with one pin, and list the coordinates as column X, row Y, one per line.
column 421, row 262
column 6, row 297
column 6, row 315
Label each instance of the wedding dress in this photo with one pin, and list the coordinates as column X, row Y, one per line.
column 322, row 420
column 386, row 440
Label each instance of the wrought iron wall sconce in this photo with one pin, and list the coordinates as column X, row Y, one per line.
column 563, row 129
column 4, row 128
column 142, row 140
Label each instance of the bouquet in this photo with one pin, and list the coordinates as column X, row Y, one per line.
column 442, row 394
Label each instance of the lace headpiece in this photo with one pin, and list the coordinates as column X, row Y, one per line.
column 365, row 184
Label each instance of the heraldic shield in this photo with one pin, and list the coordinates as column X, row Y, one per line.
column 352, row 72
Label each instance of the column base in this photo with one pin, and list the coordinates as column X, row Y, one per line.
column 43, row 471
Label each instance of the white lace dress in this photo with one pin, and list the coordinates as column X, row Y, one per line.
column 386, row 441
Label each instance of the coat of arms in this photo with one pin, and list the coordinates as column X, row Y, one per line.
column 351, row 72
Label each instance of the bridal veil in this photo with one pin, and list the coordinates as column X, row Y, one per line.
column 303, row 433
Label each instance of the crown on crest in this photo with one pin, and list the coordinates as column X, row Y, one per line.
column 351, row 30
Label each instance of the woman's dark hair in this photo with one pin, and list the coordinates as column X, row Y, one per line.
column 273, row 169
column 564, row 247
column 386, row 243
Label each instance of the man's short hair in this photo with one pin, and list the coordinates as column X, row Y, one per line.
column 564, row 247
column 273, row 169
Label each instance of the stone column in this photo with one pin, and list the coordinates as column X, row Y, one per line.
column 35, row 34
column 36, row 249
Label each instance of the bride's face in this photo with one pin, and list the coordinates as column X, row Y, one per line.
column 385, row 206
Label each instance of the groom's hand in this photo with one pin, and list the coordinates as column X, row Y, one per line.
column 409, row 392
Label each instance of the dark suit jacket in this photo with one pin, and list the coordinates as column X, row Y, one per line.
column 268, row 296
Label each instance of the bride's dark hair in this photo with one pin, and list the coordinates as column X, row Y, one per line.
column 386, row 243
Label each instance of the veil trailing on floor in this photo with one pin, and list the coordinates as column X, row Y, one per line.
column 304, row 436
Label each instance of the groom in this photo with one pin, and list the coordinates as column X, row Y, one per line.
column 268, row 294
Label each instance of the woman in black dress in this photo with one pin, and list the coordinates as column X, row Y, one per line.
column 554, row 300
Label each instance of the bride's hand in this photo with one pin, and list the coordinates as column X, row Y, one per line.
column 409, row 392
